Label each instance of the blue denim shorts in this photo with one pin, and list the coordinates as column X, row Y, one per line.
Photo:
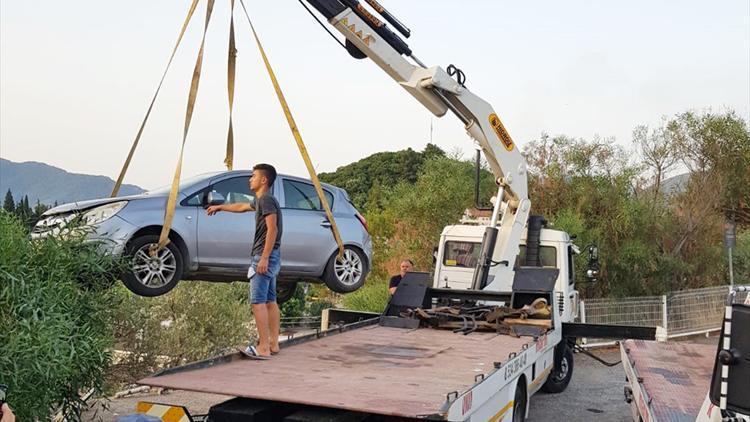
column 263, row 286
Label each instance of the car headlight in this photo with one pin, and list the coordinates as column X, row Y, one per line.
column 103, row 213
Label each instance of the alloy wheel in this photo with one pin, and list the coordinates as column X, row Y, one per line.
column 154, row 271
column 349, row 268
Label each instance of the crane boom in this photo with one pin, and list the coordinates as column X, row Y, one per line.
column 367, row 36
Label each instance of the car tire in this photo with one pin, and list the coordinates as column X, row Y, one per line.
column 348, row 274
column 152, row 276
column 561, row 375
column 285, row 291
column 519, row 403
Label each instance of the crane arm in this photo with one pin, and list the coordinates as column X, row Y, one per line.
column 368, row 36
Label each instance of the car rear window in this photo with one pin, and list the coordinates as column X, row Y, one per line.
column 302, row 196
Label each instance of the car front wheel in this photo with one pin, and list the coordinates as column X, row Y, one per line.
column 348, row 273
column 152, row 275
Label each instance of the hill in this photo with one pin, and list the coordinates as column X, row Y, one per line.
column 51, row 184
column 384, row 169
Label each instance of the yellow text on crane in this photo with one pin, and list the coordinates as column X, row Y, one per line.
column 500, row 131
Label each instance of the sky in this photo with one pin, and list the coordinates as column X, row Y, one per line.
column 76, row 78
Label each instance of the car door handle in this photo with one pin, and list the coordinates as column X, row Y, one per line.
column 188, row 217
column 325, row 224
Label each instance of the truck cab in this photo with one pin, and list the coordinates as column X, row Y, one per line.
column 459, row 251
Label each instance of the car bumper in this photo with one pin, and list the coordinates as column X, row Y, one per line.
column 112, row 235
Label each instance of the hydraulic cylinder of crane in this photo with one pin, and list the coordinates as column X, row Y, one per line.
column 485, row 258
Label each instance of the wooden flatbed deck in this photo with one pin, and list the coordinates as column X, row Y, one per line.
column 675, row 376
column 373, row 369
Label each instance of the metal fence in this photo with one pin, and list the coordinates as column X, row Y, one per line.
column 681, row 313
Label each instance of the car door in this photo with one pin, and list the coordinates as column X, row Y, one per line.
column 307, row 239
column 225, row 238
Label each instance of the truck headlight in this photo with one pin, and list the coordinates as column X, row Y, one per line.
column 103, row 212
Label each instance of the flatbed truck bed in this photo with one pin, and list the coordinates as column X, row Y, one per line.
column 372, row 369
column 667, row 381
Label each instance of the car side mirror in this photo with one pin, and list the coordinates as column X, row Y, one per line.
column 215, row 198
column 592, row 273
column 729, row 386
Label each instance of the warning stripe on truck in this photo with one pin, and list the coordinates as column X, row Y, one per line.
column 164, row 412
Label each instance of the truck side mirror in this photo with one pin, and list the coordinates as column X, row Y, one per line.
column 729, row 387
column 592, row 273
column 215, row 198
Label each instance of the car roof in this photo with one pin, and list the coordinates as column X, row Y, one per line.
column 284, row 175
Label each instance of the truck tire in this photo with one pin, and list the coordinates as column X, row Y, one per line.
column 561, row 374
column 349, row 273
column 152, row 276
column 519, row 403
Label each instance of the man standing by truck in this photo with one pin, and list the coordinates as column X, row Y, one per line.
column 265, row 258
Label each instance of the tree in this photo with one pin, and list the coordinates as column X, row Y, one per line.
column 386, row 169
column 658, row 152
column 9, row 204
column 716, row 150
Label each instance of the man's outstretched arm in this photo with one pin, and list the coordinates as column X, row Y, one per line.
column 239, row 207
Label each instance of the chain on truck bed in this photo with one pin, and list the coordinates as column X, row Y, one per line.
column 532, row 319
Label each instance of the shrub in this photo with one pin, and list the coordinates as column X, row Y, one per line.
column 372, row 297
column 194, row 321
column 56, row 309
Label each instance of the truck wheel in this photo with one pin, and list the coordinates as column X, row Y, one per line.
column 519, row 404
column 347, row 274
column 152, row 276
column 285, row 291
column 560, row 377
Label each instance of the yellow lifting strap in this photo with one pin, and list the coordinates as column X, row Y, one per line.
column 125, row 166
column 172, row 200
column 297, row 136
column 231, row 66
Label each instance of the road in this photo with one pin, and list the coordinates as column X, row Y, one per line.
column 594, row 394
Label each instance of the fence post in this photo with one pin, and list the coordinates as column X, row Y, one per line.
column 583, row 317
column 664, row 313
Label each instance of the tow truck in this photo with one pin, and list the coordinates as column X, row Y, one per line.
column 405, row 363
column 667, row 381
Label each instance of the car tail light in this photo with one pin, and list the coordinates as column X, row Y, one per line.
column 362, row 220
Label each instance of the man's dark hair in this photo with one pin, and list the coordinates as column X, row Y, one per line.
column 409, row 261
column 268, row 171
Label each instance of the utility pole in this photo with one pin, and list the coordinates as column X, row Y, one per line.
column 730, row 240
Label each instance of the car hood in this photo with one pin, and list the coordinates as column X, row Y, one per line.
column 91, row 203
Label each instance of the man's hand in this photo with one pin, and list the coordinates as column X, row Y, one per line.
column 262, row 267
column 213, row 209
column 8, row 415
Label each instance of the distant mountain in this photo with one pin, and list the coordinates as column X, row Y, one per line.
column 675, row 184
column 49, row 184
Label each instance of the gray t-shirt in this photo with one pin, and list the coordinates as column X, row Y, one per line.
column 266, row 205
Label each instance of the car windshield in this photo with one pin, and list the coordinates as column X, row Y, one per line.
column 184, row 183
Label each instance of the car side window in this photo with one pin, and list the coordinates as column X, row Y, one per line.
column 235, row 190
column 302, row 196
column 197, row 199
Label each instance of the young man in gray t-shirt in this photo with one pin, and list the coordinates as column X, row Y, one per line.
column 266, row 260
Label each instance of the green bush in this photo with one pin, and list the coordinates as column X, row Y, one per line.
column 372, row 297
column 56, row 310
column 194, row 321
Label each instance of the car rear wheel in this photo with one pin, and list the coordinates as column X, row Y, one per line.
column 348, row 273
column 152, row 275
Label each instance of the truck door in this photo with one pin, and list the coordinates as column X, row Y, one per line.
column 457, row 263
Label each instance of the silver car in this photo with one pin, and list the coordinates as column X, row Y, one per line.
column 217, row 248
